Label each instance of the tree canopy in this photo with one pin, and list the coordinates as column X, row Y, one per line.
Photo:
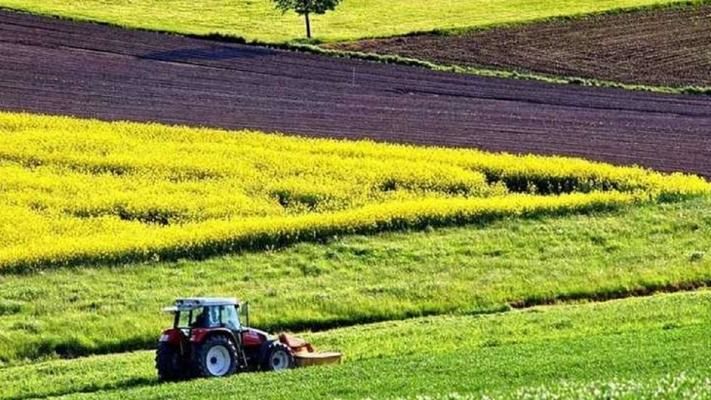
column 306, row 7
column 302, row 7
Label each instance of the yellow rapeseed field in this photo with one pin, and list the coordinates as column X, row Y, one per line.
column 80, row 191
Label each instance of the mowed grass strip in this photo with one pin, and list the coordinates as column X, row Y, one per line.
column 76, row 192
column 358, row 279
column 561, row 347
column 354, row 19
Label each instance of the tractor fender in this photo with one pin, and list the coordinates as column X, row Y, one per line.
column 172, row 336
column 199, row 335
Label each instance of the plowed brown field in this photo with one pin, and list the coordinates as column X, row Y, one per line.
column 670, row 46
column 61, row 67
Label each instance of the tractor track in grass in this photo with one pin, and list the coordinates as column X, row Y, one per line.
column 62, row 67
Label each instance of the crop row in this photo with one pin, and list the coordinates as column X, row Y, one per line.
column 76, row 191
column 110, row 240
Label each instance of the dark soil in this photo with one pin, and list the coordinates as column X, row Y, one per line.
column 61, row 67
column 668, row 46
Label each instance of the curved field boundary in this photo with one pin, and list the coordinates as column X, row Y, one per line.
column 657, row 46
column 354, row 19
column 64, row 67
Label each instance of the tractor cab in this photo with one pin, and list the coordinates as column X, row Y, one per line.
column 206, row 313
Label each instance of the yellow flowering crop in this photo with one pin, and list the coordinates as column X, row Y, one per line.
column 79, row 191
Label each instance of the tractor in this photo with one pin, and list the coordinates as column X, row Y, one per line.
column 208, row 340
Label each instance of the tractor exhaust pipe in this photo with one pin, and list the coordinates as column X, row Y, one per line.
column 246, row 313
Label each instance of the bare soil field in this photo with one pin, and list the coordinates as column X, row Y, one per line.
column 61, row 67
column 669, row 46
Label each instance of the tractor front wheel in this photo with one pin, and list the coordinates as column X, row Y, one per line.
column 216, row 357
column 169, row 364
column 277, row 357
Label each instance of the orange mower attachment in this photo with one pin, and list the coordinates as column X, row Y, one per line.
column 304, row 353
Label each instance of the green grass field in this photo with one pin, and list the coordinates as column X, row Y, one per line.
column 431, row 312
column 630, row 348
column 354, row 19
column 472, row 269
column 448, row 296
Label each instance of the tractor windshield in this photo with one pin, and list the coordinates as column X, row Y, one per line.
column 230, row 318
column 208, row 317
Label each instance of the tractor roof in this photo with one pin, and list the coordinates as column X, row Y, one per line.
column 191, row 303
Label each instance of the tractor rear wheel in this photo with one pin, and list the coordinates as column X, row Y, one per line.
column 277, row 357
column 215, row 357
column 169, row 364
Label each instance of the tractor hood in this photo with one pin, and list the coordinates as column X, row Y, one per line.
column 257, row 331
column 254, row 337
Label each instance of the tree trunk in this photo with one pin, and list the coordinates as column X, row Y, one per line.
column 308, row 25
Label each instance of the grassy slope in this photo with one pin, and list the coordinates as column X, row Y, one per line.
column 359, row 279
column 354, row 19
column 640, row 338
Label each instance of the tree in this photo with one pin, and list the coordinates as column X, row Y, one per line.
column 307, row 7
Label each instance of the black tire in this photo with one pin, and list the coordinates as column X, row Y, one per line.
column 169, row 364
column 277, row 357
column 215, row 357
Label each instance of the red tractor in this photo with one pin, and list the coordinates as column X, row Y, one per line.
column 208, row 340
